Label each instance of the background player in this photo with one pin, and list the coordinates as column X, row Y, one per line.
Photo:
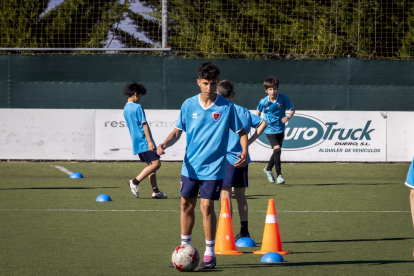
column 237, row 178
column 274, row 108
column 142, row 142
column 410, row 183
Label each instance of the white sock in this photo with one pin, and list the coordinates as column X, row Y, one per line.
column 185, row 239
column 210, row 248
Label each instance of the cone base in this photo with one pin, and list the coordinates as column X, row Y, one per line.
column 259, row 252
column 229, row 252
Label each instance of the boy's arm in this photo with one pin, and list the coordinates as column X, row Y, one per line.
column 286, row 119
column 148, row 136
column 242, row 162
column 258, row 132
column 171, row 140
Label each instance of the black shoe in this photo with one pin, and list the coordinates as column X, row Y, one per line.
column 207, row 265
column 239, row 236
column 171, row 265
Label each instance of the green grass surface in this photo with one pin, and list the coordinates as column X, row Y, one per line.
column 335, row 219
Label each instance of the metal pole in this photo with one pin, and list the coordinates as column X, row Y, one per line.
column 164, row 42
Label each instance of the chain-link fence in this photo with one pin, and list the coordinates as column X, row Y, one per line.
column 239, row 29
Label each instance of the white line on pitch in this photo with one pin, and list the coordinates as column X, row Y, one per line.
column 63, row 169
column 95, row 210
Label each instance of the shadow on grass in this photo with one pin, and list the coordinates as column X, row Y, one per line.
column 373, row 262
column 60, row 188
column 335, row 184
column 355, row 240
column 254, row 196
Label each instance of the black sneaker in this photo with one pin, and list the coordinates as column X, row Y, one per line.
column 208, row 265
column 171, row 265
column 239, row 236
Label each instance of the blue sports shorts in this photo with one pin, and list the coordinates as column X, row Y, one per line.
column 236, row 177
column 209, row 189
column 148, row 156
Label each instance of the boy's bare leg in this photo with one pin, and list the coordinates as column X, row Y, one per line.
column 242, row 203
column 187, row 215
column 209, row 218
column 153, row 180
column 151, row 168
column 226, row 192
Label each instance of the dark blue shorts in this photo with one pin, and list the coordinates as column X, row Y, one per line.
column 209, row 189
column 148, row 156
column 236, row 177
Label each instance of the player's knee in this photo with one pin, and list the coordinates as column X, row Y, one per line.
column 277, row 150
column 207, row 206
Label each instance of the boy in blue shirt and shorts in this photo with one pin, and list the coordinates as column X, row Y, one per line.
column 274, row 108
column 237, row 178
column 410, row 183
column 142, row 142
column 207, row 119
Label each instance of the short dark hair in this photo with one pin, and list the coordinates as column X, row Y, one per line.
column 271, row 83
column 208, row 71
column 225, row 88
column 134, row 87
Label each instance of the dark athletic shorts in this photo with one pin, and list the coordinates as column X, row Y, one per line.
column 236, row 177
column 209, row 189
column 148, row 156
column 276, row 139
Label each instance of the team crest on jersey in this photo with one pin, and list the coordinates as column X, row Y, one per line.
column 279, row 105
column 216, row 116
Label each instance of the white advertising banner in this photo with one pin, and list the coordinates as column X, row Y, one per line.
column 67, row 134
column 354, row 136
column 113, row 141
column 310, row 136
column 400, row 136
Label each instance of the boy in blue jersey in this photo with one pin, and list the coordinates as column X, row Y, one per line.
column 274, row 108
column 142, row 143
column 207, row 119
column 237, row 178
column 409, row 181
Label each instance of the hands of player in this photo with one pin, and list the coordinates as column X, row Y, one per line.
column 285, row 119
column 160, row 149
column 151, row 146
column 242, row 162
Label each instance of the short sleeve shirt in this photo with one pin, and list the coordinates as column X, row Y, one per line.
column 135, row 116
column 207, row 131
column 249, row 121
column 274, row 112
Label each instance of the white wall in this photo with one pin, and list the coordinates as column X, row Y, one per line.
column 47, row 134
column 73, row 134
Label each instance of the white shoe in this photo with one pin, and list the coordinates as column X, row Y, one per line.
column 269, row 175
column 159, row 195
column 134, row 188
column 280, row 180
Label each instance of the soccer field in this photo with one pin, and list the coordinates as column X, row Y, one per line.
column 335, row 219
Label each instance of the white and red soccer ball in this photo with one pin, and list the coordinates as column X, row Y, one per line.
column 185, row 258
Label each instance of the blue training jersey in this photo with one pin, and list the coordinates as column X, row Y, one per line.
column 274, row 112
column 410, row 176
column 207, row 132
column 135, row 116
column 249, row 121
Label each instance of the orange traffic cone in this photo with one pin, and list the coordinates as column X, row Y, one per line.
column 271, row 236
column 225, row 243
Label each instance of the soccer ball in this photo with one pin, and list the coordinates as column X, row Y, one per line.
column 185, row 258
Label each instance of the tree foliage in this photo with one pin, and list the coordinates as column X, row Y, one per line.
column 259, row 29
